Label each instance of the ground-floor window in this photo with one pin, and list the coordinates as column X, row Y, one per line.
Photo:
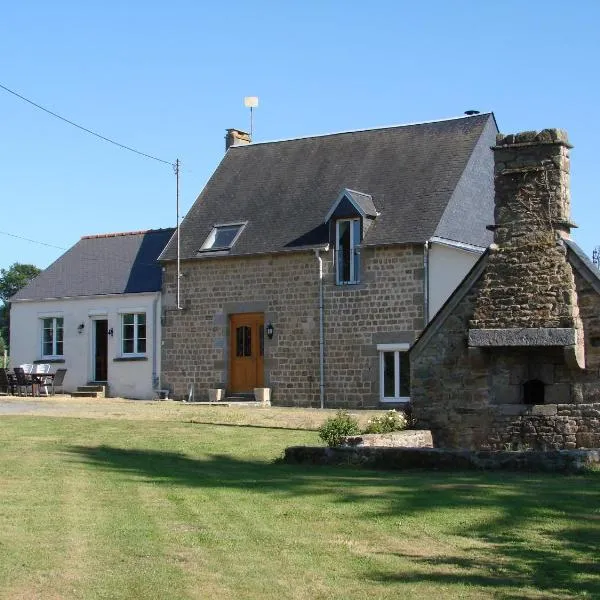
column 133, row 337
column 52, row 337
column 394, row 372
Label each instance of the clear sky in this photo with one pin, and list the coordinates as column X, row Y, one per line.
column 168, row 78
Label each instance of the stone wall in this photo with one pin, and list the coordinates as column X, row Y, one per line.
column 557, row 461
column 477, row 401
column 386, row 307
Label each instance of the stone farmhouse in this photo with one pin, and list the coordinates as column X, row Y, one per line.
column 309, row 266
column 96, row 312
column 512, row 360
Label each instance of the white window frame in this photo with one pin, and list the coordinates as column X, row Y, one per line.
column 354, row 244
column 136, row 337
column 55, row 319
column 396, row 349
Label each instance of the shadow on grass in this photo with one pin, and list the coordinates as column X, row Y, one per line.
column 534, row 535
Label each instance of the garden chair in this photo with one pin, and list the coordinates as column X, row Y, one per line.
column 57, row 382
column 27, row 368
column 7, row 385
column 41, row 382
column 23, row 381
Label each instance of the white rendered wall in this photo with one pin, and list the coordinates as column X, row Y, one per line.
column 127, row 379
column 448, row 265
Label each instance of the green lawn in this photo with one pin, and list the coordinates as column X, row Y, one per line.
column 93, row 508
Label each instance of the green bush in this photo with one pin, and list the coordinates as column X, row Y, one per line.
column 391, row 421
column 335, row 429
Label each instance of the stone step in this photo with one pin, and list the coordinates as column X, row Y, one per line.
column 90, row 388
column 84, row 394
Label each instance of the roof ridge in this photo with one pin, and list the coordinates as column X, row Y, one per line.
column 124, row 233
column 377, row 128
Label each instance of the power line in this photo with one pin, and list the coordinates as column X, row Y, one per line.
column 166, row 162
column 19, row 237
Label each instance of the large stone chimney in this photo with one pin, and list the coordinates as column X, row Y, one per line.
column 528, row 296
column 236, row 137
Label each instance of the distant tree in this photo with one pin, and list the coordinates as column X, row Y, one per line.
column 12, row 280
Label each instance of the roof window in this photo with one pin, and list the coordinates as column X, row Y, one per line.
column 222, row 237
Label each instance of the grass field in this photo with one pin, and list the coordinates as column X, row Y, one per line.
column 157, row 506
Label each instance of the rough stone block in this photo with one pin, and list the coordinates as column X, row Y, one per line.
column 544, row 410
column 525, row 336
column 559, row 393
column 506, row 394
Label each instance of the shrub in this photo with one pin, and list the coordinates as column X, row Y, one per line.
column 391, row 421
column 335, row 429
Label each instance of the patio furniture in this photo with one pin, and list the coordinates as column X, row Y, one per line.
column 7, row 383
column 42, row 378
column 27, row 368
column 23, row 381
column 57, row 381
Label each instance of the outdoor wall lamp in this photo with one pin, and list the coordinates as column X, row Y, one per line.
column 270, row 330
column 80, row 327
column 110, row 332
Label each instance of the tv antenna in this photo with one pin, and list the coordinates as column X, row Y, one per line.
column 251, row 102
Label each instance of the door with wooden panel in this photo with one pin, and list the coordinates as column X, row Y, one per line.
column 246, row 352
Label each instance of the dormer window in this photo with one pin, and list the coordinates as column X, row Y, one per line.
column 222, row 237
column 350, row 217
column 347, row 239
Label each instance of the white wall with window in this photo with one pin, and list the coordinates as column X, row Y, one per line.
column 394, row 372
column 63, row 332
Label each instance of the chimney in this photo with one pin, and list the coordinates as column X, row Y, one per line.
column 236, row 137
column 528, row 296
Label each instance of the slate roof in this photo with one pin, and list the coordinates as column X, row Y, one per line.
column 116, row 263
column 413, row 173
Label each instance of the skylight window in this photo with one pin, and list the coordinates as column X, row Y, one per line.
column 222, row 237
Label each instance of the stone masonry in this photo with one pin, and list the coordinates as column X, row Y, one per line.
column 526, row 309
column 479, row 404
column 386, row 307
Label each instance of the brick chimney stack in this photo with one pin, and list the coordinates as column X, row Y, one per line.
column 528, row 295
column 236, row 137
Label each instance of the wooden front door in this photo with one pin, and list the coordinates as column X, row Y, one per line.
column 100, row 349
column 246, row 350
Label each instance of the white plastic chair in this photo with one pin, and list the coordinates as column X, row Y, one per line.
column 42, row 368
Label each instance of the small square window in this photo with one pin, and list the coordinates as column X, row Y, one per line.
column 222, row 237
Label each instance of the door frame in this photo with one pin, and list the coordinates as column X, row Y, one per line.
column 257, row 320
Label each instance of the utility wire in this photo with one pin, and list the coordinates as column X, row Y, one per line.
column 19, row 237
column 166, row 162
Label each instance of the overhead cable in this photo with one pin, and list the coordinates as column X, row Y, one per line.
column 102, row 137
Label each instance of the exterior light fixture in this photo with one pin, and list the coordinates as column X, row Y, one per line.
column 80, row 327
column 270, row 330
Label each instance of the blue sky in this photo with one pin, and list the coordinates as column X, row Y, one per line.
column 168, row 78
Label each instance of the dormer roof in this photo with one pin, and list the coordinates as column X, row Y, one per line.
column 361, row 202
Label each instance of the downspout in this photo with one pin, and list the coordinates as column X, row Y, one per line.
column 155, row 316
column 426, row 283
column 321, row 332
